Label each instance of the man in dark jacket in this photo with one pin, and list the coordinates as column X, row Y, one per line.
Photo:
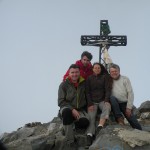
column 72, row 103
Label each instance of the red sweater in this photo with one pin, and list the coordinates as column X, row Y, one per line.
column 84, row 71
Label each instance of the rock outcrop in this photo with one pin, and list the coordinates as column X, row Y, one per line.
column 50, row 136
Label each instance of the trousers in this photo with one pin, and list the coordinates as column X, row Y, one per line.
column 120, row 108
column 105, row 109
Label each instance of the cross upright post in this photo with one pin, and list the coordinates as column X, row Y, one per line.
column 104, row 39
column 104, row 30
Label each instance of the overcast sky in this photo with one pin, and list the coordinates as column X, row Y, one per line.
column 39, row 39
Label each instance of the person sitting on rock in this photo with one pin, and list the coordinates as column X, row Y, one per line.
column 73, row 105
column 122, row 97
column 85, row 65
column 98, row 92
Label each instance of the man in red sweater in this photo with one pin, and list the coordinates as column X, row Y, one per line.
column 85, row 65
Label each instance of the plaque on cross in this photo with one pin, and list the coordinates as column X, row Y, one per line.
column 104, row 39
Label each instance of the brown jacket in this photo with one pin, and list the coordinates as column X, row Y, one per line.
column 98, row 88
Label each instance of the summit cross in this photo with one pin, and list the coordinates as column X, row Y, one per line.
column 104, row 40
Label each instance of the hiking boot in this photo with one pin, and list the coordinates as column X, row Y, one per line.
column 120, row 121
column 89, row 141
column 99, row 128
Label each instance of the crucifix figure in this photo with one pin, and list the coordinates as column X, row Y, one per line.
column 104, row 41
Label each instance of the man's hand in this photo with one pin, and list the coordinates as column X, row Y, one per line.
column 75, row 114
column 128, row 112
column 91, row 108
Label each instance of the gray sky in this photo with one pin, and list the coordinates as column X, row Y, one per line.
column 39, row 39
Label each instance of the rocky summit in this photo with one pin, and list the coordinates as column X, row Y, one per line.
column 50, row 136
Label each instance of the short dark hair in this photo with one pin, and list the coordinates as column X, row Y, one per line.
column 87, row 54
column 114, row 66
column 74, row 66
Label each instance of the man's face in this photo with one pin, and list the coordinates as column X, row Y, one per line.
column 74, row 74
column 114, row 73
column 85, row 61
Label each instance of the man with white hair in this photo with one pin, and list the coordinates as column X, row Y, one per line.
column 122, row 97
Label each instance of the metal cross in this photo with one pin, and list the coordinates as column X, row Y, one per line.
column 103, row 40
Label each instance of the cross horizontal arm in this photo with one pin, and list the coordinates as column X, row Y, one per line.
column 97, row 40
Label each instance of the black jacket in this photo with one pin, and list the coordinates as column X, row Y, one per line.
column 98, row 89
